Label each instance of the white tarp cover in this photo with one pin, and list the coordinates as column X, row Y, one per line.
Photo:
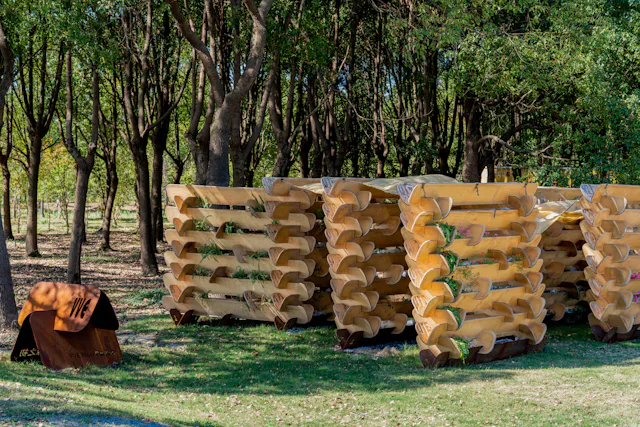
column 390, row 185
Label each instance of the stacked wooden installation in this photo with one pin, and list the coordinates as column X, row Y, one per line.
column 610, row 228
column 563, row 259
column 474, row 264
column 240, row 253
column 366, row 261
column 321, row 299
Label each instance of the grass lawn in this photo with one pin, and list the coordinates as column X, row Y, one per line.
column 255, row 375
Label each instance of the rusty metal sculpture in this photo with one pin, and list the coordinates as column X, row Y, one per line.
column 67, row 326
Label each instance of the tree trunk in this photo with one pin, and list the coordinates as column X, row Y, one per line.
column 31, row 238
column 200, row 158
column 305, row 148
column 6, row 191
column 236, row 153
column 316, row 166
column 179, row 172
column 84, row 166
column 471, row 166
column 108, row 212
column 159, row 143
column 8, row 309
column 77, row 228
column 147, row 252
column 218, row 169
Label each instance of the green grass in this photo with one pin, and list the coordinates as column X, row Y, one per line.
column 241, row 375
column 144, row 297
column 255, row 376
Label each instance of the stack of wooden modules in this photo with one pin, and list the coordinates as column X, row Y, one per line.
column 366, row 261
column 474, row 264
column 610, row 227
column 564, row 261
column 240, row 253
column 321, row 299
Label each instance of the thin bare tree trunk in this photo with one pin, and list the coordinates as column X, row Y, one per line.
column 6, row 192
column 84, row 166
column 8, row 309
column 31, row 238
column 471, row 166
column 108, row 212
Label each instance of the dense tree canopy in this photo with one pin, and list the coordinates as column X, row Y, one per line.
column 136, row 94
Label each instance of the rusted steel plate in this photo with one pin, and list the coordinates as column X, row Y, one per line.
column 58, row 350
column 74, row 306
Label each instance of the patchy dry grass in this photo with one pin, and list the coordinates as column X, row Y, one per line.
column 254, row 376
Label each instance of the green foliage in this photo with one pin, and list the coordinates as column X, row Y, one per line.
column 240, row 273
column 258, row 204
column 463, row 346
column 202, row 225
column 259, row 254
column 231, row 228
column 454, row 285
column 201, row 271
column 210, row 249
column 450, row 258
column 256, row 275
column 449, row 231
column 455, row 311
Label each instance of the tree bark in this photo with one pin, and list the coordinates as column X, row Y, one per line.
column 218, row 168
column 472, row 116
column 77, row 227
column 108, row 211
column 8, row 309
column 33, row 173
column 147, row 250
column 6, row 192
column 6, row 174
column 159, row 143
column 84, row 166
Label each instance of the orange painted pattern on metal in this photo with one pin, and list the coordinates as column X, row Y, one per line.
column 74, row 305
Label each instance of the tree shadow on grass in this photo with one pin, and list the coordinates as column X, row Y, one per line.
column 32, row 411
column 262, row 361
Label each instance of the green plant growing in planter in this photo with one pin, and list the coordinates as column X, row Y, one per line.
column 259, row 254
column 202, row 225
column 451, row 258
column 454, row 285
column 240, row 274
column 256, row 275
column 201, row 202
column 210, row 249
column 448, row 231
column 259, row 205
column 200, row 271
column 231, row 228
column 463, row 346
column 455, row 311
